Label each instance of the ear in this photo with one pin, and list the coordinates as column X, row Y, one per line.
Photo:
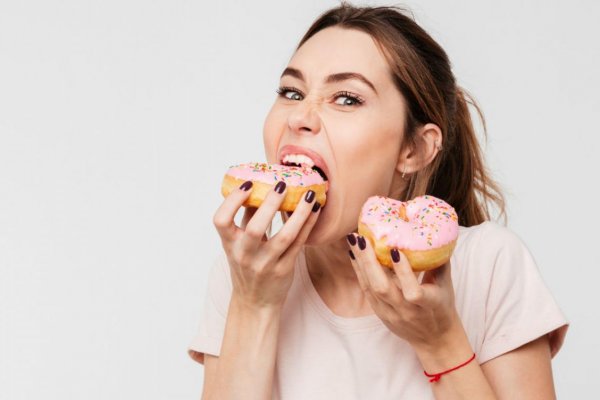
column 414, row 157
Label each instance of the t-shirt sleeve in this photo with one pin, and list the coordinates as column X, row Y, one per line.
column 519, row 306
column 209, row 335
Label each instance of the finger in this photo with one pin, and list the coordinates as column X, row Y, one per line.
column 294, row 248
column 426, row 294
column 352, row 239
column 259, row 223
column 362, row 280
column 248, row 214
column 445, row 274
column 223, row 219
column 412, row 291
column 441, row 276
column 383, row 310
column 380, row 284
column 291, row 228
column 285, row 215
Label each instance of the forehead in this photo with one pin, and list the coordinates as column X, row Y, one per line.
column 337, row 49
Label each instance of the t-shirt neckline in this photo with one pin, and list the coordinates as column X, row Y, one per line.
column 344, row 323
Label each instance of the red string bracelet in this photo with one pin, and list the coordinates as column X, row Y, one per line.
column 436, row 377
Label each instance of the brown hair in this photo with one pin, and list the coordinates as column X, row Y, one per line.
column 422, row 73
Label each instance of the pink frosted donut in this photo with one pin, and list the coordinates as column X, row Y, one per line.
column 425, row 229
column 264, row 177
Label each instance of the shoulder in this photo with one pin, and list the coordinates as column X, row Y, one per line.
column 490, row 255
column 488, row 239
column 491, row 231
column 500, row 292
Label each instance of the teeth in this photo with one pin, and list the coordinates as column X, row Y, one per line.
column 299, row 159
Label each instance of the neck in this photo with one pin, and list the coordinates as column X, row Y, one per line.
column 329, row 265
column 334, row 279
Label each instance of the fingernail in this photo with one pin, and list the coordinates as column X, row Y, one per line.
column 310, row 196
column 316, row 207
column 351, row 254
column 361, row 243
column 395, row 255
column 280, row 187
column 246, row 186
column 351, row 239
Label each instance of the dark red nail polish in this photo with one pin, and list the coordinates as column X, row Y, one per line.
column 351, row 239
column 280, row 187
column 316, row 207
column 351, row 254
column 395, row 255
column 246, row 186
column 361, row 243
column 310, row 196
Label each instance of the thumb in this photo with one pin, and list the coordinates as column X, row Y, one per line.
column 441, row 275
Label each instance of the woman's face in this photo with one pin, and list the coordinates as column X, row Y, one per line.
column 356, row 129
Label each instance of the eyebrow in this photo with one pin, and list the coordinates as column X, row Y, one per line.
column 333, row 78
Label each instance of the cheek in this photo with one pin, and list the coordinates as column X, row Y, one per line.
column 370, row 150
column 366, row 162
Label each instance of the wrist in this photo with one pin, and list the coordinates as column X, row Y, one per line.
column 446, row 351
column 257, row 328
column 248, row 351
column 244, row 307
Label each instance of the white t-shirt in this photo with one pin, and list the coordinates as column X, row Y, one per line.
column 500, row 296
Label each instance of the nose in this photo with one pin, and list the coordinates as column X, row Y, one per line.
column 304, row 117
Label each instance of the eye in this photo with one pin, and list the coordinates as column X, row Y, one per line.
column 283, row 91
column 349, row 99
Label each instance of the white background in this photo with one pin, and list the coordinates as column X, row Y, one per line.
column 119, row 118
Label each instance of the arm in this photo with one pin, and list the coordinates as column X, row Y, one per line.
column 424, row 315
column 211, row 363
column 523, row 373
column 453, row 348
column 247, row 358
column 262, row 271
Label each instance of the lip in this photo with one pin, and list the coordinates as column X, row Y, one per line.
column 319, row 161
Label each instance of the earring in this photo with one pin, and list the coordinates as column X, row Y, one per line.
column 438, row 146
column 403, row 171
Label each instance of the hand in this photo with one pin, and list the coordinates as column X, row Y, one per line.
column 423, row 314
column 262, row 269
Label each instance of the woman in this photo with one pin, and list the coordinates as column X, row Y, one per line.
column 309, row 313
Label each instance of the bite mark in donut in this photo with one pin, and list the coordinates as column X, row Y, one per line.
column 425, row 229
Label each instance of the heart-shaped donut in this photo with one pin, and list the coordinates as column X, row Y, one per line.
column 425, row 229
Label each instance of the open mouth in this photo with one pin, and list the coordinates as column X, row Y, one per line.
column 315, row 168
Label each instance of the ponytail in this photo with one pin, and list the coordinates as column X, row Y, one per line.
column 422, row 73
column 462, row 177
